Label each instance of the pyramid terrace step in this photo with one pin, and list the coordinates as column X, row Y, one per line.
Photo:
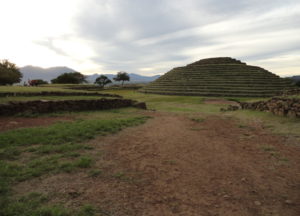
column 186, row 75
column 261, row 81
column 233, row 84
column 211, row 94
column 219, row 90
column 213, row 87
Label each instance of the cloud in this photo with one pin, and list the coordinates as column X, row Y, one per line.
column 152, row 37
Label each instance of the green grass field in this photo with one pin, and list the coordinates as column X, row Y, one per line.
column 34, row 152
column 193, row 104
column 62, row 147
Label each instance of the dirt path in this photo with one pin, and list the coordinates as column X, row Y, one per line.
column 175, row 166
column 10, row 123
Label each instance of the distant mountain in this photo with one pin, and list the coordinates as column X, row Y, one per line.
column 295, row 78
column 47, row 74
column 134, row 78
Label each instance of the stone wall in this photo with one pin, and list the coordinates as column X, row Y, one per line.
column 278, row 106
column 42, row 106
column 48, row 93
column 295, row 91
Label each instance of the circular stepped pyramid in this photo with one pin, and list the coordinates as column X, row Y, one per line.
column 223, row 76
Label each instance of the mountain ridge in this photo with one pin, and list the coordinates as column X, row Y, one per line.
column 33, row 72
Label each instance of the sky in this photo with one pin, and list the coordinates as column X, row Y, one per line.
column 150, row 37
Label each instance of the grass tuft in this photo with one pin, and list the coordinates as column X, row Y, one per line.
column 94, row 173
column 84, row 162
column 198, row 120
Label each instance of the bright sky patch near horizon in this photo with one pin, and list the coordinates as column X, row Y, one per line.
column 150, row 37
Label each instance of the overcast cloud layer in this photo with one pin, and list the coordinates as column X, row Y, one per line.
column 150, row 36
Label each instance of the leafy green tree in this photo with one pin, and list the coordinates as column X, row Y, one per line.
column 122, row 76
column 102, row 81
column 298, row 83
column 9, row 73
column 70, row 78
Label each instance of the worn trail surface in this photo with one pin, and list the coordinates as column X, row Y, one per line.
column 10, row 123
column 175, row 166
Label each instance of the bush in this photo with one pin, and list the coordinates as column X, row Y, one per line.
column 70, row 78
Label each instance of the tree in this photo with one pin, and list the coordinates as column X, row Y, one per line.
column 102, row 81
column 122, row 76
column 37, row 82
column 70, row 78
column 298, row 83
column 9, row 73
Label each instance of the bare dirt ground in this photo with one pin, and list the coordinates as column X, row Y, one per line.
column 9, row 123
column 175, row 166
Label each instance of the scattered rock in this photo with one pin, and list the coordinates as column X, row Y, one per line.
column 230, row 108
column 295, row 91
column 278, row 106
column 140, row 105
column 289, row 202
column 73, row 193
column 257, row 203
column 13, row 122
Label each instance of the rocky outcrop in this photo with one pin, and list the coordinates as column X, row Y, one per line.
column 278, row 106
column 42, row 106
column 48, row 93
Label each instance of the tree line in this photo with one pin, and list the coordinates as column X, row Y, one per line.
column 10, row 74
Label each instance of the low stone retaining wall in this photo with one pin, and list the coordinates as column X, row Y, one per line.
column 48, row 93
column 278, row 106
column 295, row 91
column 42, row 106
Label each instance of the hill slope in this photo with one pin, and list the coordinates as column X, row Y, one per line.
column 221, row 76
column 134, row 78
column 295, row 78
column 32, row 72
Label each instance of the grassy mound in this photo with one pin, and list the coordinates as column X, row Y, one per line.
column 219, row 77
